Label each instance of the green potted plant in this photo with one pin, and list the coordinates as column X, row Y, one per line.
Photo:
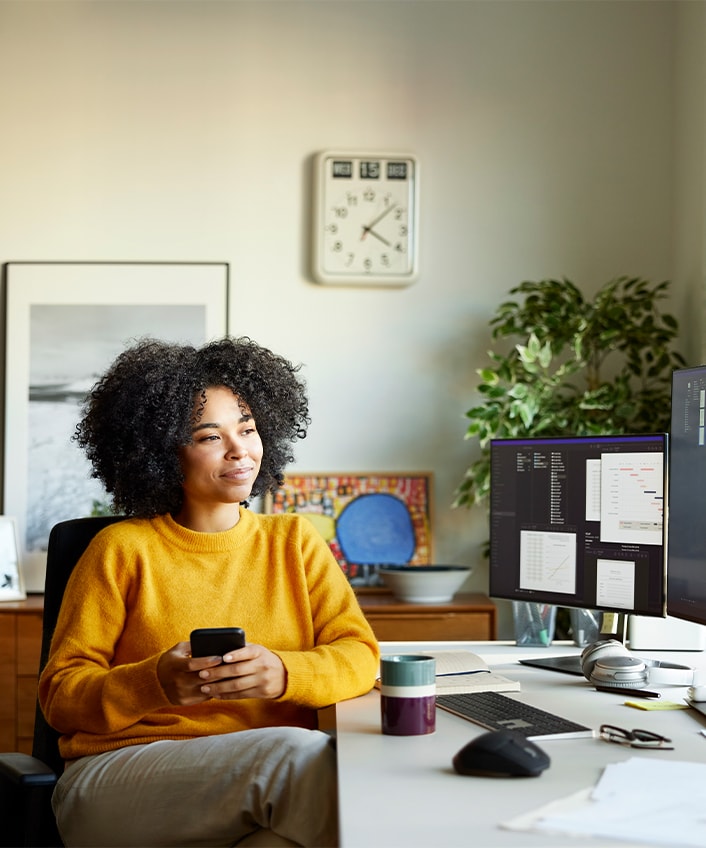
column 571, row 365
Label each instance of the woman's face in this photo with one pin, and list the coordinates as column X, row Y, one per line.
column 223, row 460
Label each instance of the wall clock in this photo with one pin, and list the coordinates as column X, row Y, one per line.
column 365, row 220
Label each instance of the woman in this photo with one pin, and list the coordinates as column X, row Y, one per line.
column 163, row 748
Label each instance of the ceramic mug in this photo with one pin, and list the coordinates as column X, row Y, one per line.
column 408, row 694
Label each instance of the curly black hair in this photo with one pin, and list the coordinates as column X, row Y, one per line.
column 141, row 412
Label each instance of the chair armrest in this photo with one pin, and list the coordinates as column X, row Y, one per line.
column 26, row 787
column 24, row 770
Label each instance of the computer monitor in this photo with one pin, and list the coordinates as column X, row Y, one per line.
column 686, row 558
column 579, row 521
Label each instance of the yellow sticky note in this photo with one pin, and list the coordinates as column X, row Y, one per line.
column 656, row 705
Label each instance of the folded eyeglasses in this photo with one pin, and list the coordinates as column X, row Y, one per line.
column 634, row 738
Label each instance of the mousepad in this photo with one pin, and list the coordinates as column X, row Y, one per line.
column 567, row 665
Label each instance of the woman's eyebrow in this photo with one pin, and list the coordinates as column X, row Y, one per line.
column 206, row 425
column 215, row 425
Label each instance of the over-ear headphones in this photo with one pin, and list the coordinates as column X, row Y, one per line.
column 608, row 663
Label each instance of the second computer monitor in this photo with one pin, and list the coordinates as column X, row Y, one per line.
column 580, row 521
column 686, row 571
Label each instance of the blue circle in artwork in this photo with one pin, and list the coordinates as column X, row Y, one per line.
column 376, row 529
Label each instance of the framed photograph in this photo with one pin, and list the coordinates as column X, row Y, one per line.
column 11, row 582
column 367, row 519
column 65, row 323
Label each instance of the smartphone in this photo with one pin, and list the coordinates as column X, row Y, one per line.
column 216, row 641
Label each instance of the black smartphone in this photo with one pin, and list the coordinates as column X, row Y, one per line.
column 216, row 641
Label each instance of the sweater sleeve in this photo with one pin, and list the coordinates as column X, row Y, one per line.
column 345, row 658
column 81, row 687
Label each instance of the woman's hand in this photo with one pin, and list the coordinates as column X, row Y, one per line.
column 250, row 672
column 178, row 672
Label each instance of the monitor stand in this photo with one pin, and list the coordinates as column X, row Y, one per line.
column 613, row 626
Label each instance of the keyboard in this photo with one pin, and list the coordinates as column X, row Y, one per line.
column 499, row 712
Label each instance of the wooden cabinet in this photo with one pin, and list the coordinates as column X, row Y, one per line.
column 468, row 617
column 20, row 645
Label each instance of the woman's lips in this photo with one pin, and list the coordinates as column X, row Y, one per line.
column 238, row 473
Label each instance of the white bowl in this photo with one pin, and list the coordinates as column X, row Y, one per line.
column 424, row 584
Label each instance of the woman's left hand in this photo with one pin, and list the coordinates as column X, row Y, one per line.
column 249, row 672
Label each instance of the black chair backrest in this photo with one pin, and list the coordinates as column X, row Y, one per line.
column 67, row 541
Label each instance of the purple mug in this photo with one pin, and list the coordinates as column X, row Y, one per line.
column 408, row 694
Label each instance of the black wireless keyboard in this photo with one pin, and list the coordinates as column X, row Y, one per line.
column 499, row 712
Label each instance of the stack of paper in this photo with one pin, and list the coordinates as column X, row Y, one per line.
column 645, row 800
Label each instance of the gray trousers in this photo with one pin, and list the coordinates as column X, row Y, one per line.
column 212, row 790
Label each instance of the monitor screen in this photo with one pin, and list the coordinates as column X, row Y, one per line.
column 686, row 560
column 579, row 522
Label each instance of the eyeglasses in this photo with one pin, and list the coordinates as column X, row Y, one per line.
column 634, row 738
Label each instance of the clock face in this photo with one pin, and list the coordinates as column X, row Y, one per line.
column 365, row 219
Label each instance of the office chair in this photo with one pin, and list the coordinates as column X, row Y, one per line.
column 27, row 782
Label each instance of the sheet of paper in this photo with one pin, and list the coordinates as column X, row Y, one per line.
column 644, row 800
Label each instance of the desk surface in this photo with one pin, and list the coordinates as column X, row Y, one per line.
column 402, row 791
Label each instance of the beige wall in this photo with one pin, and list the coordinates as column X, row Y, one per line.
column 689, row 269
column 545, row 131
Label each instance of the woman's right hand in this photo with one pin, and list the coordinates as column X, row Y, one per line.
column 178, row 672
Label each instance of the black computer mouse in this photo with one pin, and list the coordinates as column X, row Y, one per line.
column 501, row 753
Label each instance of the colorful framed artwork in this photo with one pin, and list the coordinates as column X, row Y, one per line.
column 65, row 323
column 367, row 519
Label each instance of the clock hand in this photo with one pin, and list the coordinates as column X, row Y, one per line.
column 369, row 228
column 380, row 217
column 373, row 233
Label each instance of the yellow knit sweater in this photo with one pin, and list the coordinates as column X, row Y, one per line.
column 143, row 585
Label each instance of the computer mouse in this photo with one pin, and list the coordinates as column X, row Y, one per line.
column 501, row 753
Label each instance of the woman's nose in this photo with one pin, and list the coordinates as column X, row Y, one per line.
column 236, row 449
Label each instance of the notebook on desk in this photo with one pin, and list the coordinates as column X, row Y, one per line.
column 464, row 671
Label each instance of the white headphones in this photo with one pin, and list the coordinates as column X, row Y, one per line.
column 608, row 663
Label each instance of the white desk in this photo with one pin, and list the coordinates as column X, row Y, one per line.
column 402, row 791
